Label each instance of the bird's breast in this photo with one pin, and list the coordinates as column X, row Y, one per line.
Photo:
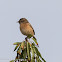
column 26, row 29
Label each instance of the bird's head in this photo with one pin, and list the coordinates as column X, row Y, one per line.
column 23, row 20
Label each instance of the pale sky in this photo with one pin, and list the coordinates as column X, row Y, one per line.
column 46, row 18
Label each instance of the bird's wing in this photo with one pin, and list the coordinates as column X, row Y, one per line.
column 32, row 28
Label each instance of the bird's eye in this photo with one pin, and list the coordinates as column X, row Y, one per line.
column 20, row 19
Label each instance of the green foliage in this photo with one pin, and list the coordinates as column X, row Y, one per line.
column 35, row 41
column 16, row 47
column 19, row 50
column 23, row 54
column 27, row 52
column 12, row 60
column 33, row 54
column 17, row 43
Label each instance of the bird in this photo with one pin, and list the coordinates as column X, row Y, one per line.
column 26, row 28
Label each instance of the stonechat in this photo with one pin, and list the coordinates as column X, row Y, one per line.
column 26, row 28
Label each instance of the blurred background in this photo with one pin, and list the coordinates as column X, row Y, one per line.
column 46, row 18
